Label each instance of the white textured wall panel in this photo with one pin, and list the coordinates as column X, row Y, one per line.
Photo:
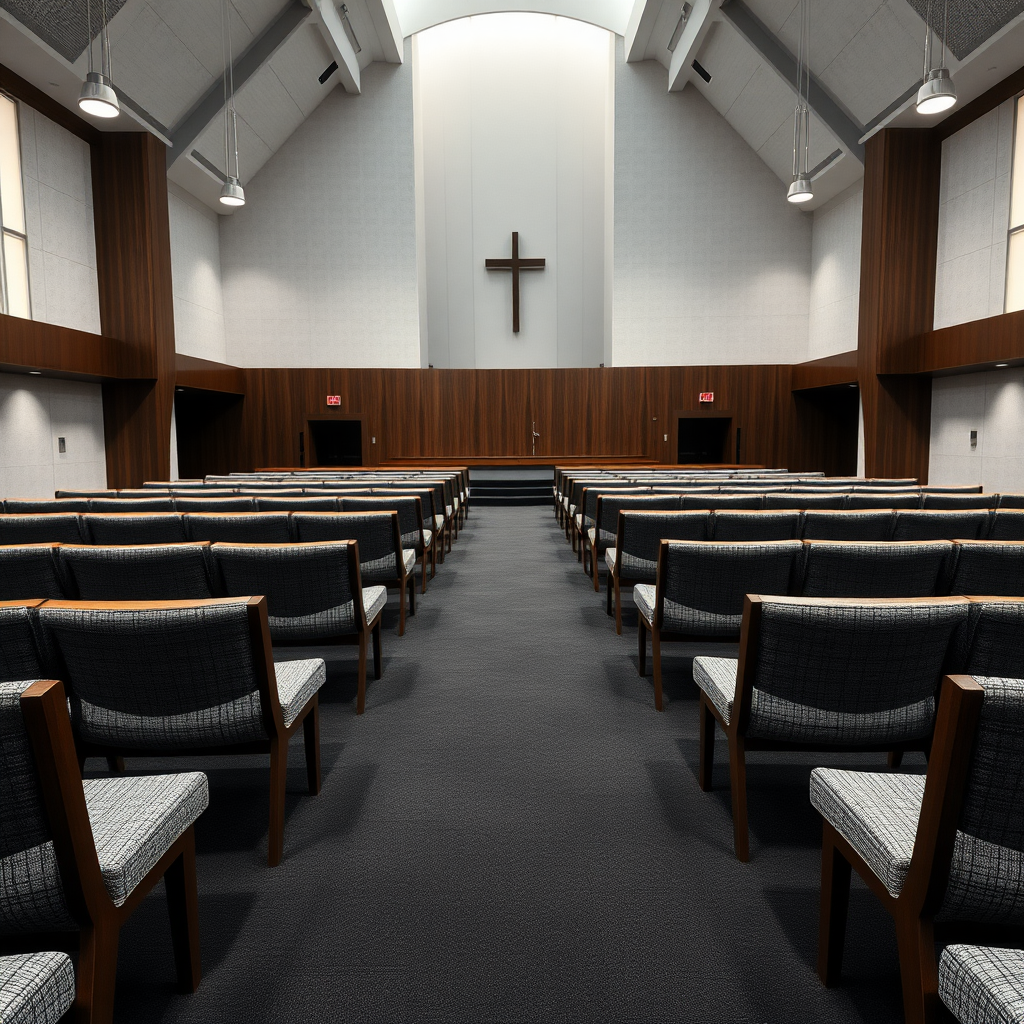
column 319, row 267
column 835, row 274
column 712, row 265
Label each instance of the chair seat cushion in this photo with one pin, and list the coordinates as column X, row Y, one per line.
column 876, row 814
column 717, row 678
column 297, row 681
column 374, row 599
column 645, row 597
column 438, row 522
column 981, row 985
column 135, row 820
column 604, row 540
column 409, row 559
column 36, row 988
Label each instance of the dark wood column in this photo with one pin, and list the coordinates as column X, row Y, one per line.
column 133, row 253
column 897, row 295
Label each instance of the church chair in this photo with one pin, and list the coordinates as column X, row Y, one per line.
column 991, row 567
column 700, row 592
column 748, row 502
column 586, row 516
column 865, row 524
column 210, row 685
column 19, row 641
column 314, row 595
column 138, row 572
column 602, row 535
column 876, row 568
column 303, row 503
column 1007, row 524
column 939, row 525
column 80, row 856
column 36, row 988
column 942, row 848
column 730, row 525
column 410, row 521
column 802, row 500
column 135, row 528
column 54, row 528
column 131, row 505
column 239, row 527
column 992, row 642
column 28, row 571
column 945, row 500
column 42, row 506
column 860, row 500
column 239, row 503
column 428, row 543
column 824, row 674
column 638, row 537
column 442, row 512
column 982, row 984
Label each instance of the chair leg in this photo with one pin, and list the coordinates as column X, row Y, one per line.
column 919, row 973
column 412, row 594
column 433, row 558
column 423, row 573
column 361, row 693
column 594, row 570
column 618, row 608
column 401, row 610
column 708, row 724
column 835, row 902
column 278, row 784
column 641, row 635
column 738, row 784
column 656, row 654
column 311, row 742
column 376, row 650
column 96, row 974
column 895, row 759
column 183, row 908
column 608, row 595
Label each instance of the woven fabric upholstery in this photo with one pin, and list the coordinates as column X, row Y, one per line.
column 136, row 820
column 992, row 644
column 876, row 814
column 27, row 573
column 605, row 539
column 374, row 600
column 613, row 504
column 705, row 584
column 1008, row 525
column 19, row 655
column 59, row 528
column 414, row 540
column 257, row 528
column 879, row 569
column 1011, row 501
column 35, row 506
column 303, row 504
column 307, row 586
column 236, row 504
column 404, row 505
column 940, row 525
column 873, row 524
column 958, row 501
column 717, row 678
column 166, row 572
column 152, row 528
column 863, row 500
column 643, row 532
column 802, row 501
column 438, row 521
column 379, row 547
column 983, row 567
column 982, row 985
column 729, row 525
column 131, row 506
column 36, row 988
column 297, row 681
column 751, row 502
column 158, row 678
column 645, row 598
column 850, row 673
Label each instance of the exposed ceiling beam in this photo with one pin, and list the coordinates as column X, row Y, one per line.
column 389, row 32
column 332, row 28
column 256, row 54
column 641, row 24
column 695, row 31
column 773, row 53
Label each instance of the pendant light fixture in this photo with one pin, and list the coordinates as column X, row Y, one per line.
column 937, row 92
column 97, row 96
column 232, row 193
column 800, row 190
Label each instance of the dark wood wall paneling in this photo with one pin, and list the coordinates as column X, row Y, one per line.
column 62, row 351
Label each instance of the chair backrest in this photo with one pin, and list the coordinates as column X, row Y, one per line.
column 591, row 495
column 377, row 535
column 240, row 503
column 139, row 528
column 610, row 505
column 1007, row 525
column 239, row 527
column 800, row 500
column 940, row 525
column 42, row 506
column 56, row 528
column 29, row 571
column 163, row 675
column 1011, row 501
column 131, row 505
column 777, row 525
column 750, row 502
column 409, row 509
column 639, row 534
column 844, row 672
column 876, row 568
column 989, row 567
column 313, row 591
column 992, row 643
column 142, row 572
column 19, row 650
column 959, row 501
column 305, row 503
column 861, row 499
column 868, row 524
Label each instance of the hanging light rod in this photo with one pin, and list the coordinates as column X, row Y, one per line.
column 97, row 96
column 231, row 193
column 937, row 92
column 800, row 190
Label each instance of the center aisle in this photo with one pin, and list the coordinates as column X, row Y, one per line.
column 510, row 833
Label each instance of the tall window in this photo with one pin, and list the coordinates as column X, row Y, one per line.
column 14, row 255
column 1015, row 248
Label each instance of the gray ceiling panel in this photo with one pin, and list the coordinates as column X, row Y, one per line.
column 59, row 23
column 971, row 22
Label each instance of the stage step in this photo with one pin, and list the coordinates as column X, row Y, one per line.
column 504, row 486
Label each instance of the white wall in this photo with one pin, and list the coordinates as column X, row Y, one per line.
column 991, row 403
column 974, row 213
column 514, row 123
column 712, row 265
column 34, row 412
column 835, row 274
column 319, row 267
column 57, row 176
column 195, row 277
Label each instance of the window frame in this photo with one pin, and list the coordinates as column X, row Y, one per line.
column 1013, row 232
column 5, row 231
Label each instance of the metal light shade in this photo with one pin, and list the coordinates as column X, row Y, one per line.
column 937, row 93
column 800, row 191
column 232, row 193
column 98, row 97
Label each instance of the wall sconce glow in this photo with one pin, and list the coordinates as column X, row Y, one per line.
column 232, row 193
column 98, row 97
column 800, row 191
column 937, row 93
column 35, row 373
column 1002, row 366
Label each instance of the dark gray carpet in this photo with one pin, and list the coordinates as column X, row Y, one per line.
column 510, row 833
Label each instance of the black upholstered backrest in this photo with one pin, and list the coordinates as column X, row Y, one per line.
column 959, row 501
column 1007, row 525
column 993, row 641
column 305, row 503
column 776, row 525
column 19, row 651
column 643, row 532
column 904, row 499
column 56, row 528
column 802, row 500
column 42, row 506
column 751, row 501
column 374, row 532
column 406, row 505
column 1011, row 500
column 132, row 505
column 238, row 503
column 239, row 527
column 146, row 572
column 29, row 571
column 876, row 569
column 867, row 524
column 143, row 528
column 939, row 525
column 611, row 504
column 989, row 568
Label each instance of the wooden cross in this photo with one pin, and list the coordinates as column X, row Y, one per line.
column 515, row 265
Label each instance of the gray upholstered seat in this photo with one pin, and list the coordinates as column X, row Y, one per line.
column 55, row 528
column 159, row 572
column 19, row 651
column 982, row 985
column 732, row 525
column 36, row 988
column 239, row 528
column 876, row 569
column 645, row 598
column 135, row 528
column 989, row 568
column 29, row 571
column 867, row 524
column 938, row 525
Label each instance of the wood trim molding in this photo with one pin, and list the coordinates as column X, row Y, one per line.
column 825, row 372
column 17, row 87
column 207, row 375
column 63, row 352
column 962, row 348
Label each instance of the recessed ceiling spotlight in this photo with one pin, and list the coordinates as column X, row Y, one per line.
column 1001, row 366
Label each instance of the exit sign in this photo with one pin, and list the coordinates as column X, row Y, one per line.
column 334, row 399
column 707, row 396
